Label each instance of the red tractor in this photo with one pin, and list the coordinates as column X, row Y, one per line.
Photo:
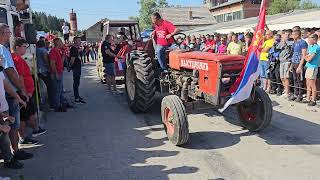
column 192, row 77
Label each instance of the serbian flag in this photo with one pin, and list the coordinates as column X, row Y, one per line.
column 242, row 88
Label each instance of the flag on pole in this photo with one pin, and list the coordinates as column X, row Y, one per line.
column 242, row 88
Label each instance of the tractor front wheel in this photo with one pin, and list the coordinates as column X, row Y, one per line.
column 174, row 118
column 256, row 113
column 140, row 82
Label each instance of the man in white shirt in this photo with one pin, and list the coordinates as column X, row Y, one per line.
column 66, row 32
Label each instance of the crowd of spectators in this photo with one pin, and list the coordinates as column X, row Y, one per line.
column 19, row 101
column 289, row 60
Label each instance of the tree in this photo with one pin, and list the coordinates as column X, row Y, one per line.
column 162, row 4
column 147, row 7
column 283, row 6
column 134, row 18
column 44, row 22
column 308, row 4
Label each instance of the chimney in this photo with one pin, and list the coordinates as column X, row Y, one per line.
column 190, row 14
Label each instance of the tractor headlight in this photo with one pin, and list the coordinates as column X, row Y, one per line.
column 226, row 79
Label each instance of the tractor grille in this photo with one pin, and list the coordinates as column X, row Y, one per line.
column 229, row 74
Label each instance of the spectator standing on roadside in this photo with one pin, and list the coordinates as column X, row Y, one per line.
column 264, row 64
column 318, row 79
column 299, row 52
column 109, row 55
column 75, row 64
column 274, row 67
column 5, row 121
column 12, row 99
column 43, row 66
column 210, row 45
column 28, row 114
column 222, row 47
column 248, row 39
column 197, row 46
column 312, row 65
column 229, row 37
column 66, row 32
column 18, row 30
column 285, row 58
column 56, row 73
column 235, row 47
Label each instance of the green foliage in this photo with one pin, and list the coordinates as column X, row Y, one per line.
column 134, row 18
column 283, row 6
column 44, row 22
column 162, row 4
column 308, row 4
column 147, row 7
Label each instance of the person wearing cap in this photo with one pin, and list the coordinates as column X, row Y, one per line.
column 235, row 47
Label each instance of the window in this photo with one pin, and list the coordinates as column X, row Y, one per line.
column 229, row 16
column 255, row 1
column 3, row 16
column 237, row 15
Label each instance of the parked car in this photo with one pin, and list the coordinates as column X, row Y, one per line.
column 146, row 33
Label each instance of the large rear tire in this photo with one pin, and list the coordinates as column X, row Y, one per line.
column 140, row 82
column 175, row 120
column 256, row 114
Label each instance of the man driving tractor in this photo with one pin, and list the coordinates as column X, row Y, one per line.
column 163, row 34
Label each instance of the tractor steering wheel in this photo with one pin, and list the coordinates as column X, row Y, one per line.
column 183, row 36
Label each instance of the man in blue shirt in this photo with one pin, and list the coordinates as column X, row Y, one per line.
column 299, row 52
column 13, row 78
column 312, row 65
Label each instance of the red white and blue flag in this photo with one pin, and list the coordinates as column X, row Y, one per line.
column 241, row 89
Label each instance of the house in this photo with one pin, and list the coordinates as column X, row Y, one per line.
column 303, row 18
column 231, row 10
column 188, row 18
column 95, row 32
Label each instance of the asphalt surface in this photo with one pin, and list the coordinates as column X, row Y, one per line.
column 105, row 140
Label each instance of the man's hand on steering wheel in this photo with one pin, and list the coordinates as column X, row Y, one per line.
column 175, row 40
column 169, row 36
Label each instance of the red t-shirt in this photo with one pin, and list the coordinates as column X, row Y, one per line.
column 162, row 30
column 210, row 43
column 24, row 71
column 56, row 56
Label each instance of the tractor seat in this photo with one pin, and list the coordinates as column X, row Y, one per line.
column 210, row 56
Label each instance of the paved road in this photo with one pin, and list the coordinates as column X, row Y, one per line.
column 104, row 140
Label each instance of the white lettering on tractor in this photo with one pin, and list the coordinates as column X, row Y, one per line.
column 194, row 65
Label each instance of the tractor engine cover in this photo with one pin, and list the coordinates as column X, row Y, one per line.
column 211, row 67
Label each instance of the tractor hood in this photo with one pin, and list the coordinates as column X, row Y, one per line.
column 210, row 56
column 180, row 58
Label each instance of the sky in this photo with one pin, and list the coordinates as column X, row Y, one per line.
column 91, row 11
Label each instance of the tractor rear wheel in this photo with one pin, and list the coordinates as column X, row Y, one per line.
column 175, row 120
column 256, row 114
column 140, row 82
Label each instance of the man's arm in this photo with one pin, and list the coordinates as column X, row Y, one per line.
column 46, row 57
column 228, row 49
column 12, row 93
column 53, row 67
column 175, row 31
column 266, row 49
column 308, row 58
column 112, row 54
column 14, row 78
column 72, row 59
column 304, row 54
